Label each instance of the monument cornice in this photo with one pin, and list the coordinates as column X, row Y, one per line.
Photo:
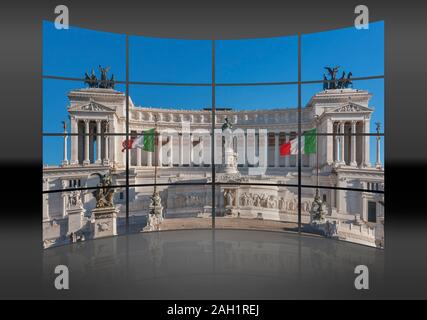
column 73, row 169
column 357, row 172
column 110, row 96
column 339, row 95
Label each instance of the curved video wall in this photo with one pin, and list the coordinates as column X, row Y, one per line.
column 145, row 134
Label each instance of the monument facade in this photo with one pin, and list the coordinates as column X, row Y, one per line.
column 249, row 160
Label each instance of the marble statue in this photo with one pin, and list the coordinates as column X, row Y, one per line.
column 74, row 199
column 229, row 198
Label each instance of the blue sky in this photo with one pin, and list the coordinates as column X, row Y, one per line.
column 257, row 60
column 74, row 51
column 358, row 51
column 170, row 60
column 71, row 53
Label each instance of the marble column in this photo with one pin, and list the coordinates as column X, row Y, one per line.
column 64, row 197
column 181, row 149
column 201, row 150
column 65, row 159
column 328, row 143
column 342, row 142
column 170, row 147
column 92, row 129
column 191, row 151
column 112, row 142
column 287, row 139
column 87, row 140
column 378, row 160
column 276, row 148
column 364, row 204
column 139, row 151
column 106, row 146
column 98, row 142
column 46, row 200
column 138, row 157
column 366, row 156
column 107, row 150
column 74, row 141
column 246, row 149
column 337, row 143
column 353, row 144
column 149, row 159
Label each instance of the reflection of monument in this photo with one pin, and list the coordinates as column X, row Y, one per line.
column 155, row 215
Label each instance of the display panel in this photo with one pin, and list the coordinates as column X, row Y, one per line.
column 215, row 134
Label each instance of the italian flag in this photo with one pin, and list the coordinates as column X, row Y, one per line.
column 144, row 141
column 308, row 144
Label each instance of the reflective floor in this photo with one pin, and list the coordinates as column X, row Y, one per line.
column 220, row 264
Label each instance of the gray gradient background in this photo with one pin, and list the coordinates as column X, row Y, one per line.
column 23, row 263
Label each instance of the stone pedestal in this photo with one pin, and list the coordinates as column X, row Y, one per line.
column 75, row 219
column 105, row 222
column 230, row 161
